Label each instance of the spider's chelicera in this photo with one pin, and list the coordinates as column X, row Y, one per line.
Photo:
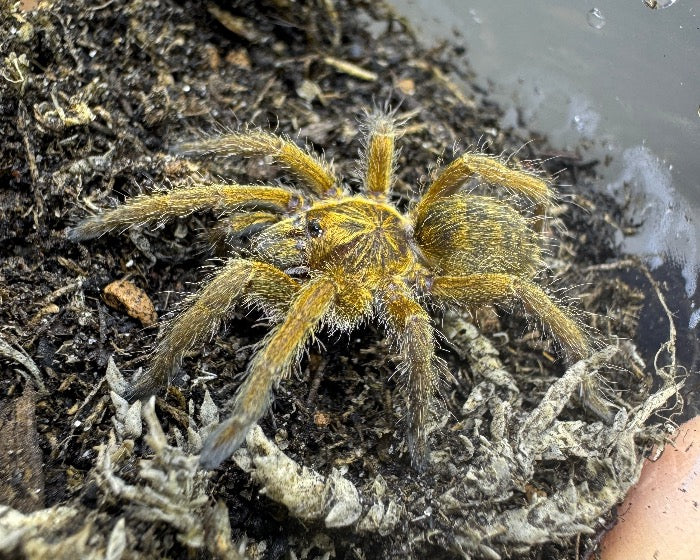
column 321, row 256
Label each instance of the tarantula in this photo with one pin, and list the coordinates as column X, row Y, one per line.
column 321, row 256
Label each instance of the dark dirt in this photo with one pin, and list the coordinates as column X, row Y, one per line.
column 93, row 99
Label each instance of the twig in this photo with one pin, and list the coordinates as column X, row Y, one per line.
column 351, row 69
column 21, row 357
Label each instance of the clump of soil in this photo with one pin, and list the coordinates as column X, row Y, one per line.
column 93, row 100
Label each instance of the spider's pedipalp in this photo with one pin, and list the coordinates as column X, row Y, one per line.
column 272, row 363
column 480, row 289
column 258, row 282
column 182, row 201
column 379, row 156
column 235, row 230
column 490, row 170
column 315, row 173
column 411, row 329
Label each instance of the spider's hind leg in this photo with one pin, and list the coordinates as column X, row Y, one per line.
column 481, row 289
column 183, row 201
column 411, row 328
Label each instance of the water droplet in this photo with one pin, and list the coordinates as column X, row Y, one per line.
column 659, row 4
column 694, row 319
column 596, row 19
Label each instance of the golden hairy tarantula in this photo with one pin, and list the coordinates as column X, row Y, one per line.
column 321, row 256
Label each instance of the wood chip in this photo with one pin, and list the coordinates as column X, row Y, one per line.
column 21, row 463
column 322, row 419
column 239, row 58
column 235, row 24
column 406, row 86
column 125, row 295
column 351, row 69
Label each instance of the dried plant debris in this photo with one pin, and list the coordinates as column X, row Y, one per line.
column 484, row 509
column 169, row 491
column 477, row 501
column 491, row 468
column 528, row 453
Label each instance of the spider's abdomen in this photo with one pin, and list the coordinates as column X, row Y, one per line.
column 364, row 237
column 466, row 234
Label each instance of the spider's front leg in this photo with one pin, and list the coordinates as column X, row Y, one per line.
column 314, row 172
column 255, row 281
column 379, row 156
column 411, row 329
column 272, row 362
column 475, row 290
column 183, row 201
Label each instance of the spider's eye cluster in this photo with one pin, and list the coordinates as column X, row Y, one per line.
column 314, row 228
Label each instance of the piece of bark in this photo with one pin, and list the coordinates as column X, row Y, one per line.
column 21, row 465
